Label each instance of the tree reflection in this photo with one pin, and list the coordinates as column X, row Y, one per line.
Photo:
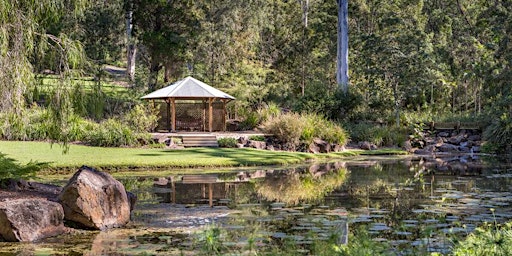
column 300, row 185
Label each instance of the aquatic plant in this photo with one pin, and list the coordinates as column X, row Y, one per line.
column 490, row 239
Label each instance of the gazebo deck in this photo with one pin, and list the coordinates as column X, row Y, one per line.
column 231, row 134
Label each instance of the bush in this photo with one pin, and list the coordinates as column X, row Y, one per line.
column 257, row 138
column 142, row 118
column 113, row 133
column 499, row 135
column 287, row 128
column 227, row 142
column 292, row 129
column 378, row 135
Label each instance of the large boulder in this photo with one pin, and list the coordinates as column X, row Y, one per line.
column 95, row 200
column 30, row 219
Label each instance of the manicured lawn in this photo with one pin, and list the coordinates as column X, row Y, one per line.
column 98, row 157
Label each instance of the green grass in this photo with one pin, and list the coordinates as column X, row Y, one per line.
column 116, row 158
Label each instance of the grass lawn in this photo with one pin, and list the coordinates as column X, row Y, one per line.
column 113, row 158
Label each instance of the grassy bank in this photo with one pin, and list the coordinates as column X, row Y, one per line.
column 109, row 158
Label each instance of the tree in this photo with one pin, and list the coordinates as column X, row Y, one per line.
column 165, row 29
column 24, row 38
column 342, row 56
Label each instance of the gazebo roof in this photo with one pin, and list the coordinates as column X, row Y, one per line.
column 188, row 88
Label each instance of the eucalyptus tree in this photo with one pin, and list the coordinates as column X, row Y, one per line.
column 342, row 50
column 24, row 39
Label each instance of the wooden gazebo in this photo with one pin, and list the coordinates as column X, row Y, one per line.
column 193, row 105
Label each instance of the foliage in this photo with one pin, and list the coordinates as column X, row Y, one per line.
column 363, row 244
column 10, row 169
column 499, row 133
column 291, row 129
column 141, row 118
column 287, row 128
column 257, row 138
column 114, row 133
column 378, row 134
column 250, row 121
column 227, row 142
column 25, row 40
column 491, row 239
column 210, row 241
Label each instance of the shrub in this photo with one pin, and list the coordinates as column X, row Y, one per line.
column 142, row 118
column 250, row 121
column 112, row 133
column 333, row 133
column 257, row 138
column 499, row 135
column 227, row 142
column 293, row 129
column 287, row 128
column 378, row 135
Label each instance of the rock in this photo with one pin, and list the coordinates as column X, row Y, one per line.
column 160, row 181
column 95, row 200
column 365, row 145
column 270, row 147
column 338, row 148
column 456, row 139
column 464, row 149
column 443, row 134
column 438, row 141
column 257, row 144
column 474, row 138
column 324, row 146
column 240, row 145
column 313, row 148
column 30, row 219
column 407, row 146
column 429, row 149
column 448, row 148
column 243, row 140
column 475, row 149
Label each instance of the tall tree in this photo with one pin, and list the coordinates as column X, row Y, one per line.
column 342, row 56
column 24, row 39
column 165, row 29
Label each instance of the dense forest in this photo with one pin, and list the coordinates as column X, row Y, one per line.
column 409, row 61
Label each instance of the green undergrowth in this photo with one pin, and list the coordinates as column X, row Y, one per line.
column 140, row 158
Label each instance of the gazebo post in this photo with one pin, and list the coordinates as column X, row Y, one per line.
column 204, row 115
column 168, row 114
column 210, row 114
column 173, row 105
column 223, row 115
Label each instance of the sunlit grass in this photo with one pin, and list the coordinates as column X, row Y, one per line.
column 115, row 158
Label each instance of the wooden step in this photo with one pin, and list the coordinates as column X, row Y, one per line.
column 200, row 141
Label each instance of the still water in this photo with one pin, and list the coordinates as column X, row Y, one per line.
column 416, row 204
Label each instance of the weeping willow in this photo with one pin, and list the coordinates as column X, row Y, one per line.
column 24, row 39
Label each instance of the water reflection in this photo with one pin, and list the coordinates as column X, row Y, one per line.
column 417, row 204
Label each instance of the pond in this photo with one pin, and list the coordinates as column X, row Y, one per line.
column 416, row 204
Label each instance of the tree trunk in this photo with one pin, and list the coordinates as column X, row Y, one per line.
column 131, row 50
column 342, row 49
column 153, row 75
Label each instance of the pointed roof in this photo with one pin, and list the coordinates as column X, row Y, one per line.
column 188, row 88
